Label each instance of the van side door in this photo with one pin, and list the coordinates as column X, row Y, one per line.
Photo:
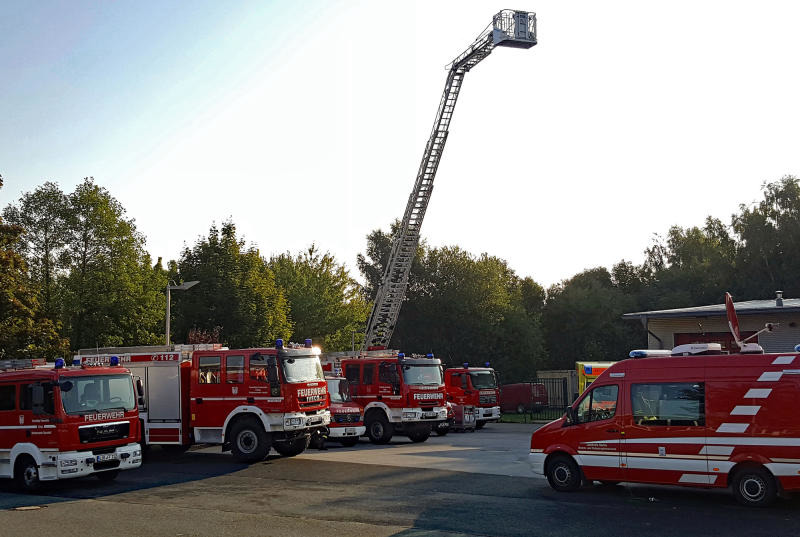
column 596, row 434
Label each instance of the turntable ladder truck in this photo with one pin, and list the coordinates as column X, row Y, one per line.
column 509, row 28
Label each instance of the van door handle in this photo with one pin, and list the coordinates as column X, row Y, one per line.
column 612, row 430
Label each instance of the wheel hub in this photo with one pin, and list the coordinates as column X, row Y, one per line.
column 752, row 488
column 247, row 441
column 561, row 474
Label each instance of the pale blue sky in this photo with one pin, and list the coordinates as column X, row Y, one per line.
column 305, row 121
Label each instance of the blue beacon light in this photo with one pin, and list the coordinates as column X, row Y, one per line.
column 278, row 343
column 59, row 363
column 308, row 343
column 113, row 361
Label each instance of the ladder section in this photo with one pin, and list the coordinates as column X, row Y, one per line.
column 394, row 282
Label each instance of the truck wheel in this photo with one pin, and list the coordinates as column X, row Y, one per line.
column 349, row 441
column 754, row 487
column 520, row 409
column 292, row 447
column 107, row 476
column 26, row 474
column 420, row 433
column 379, row 429
column 479, row 424
column 442, row 428
column 563, row 474
column 249, row 441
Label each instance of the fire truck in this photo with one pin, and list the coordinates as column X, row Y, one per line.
column 398, row 393
column 691, row 416
column 476, row 387
column 347, row 421
column 60, row 422
column 246, row 400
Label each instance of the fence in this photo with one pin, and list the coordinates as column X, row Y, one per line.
column 540, row 399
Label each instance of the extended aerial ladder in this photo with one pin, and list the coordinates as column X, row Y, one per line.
column 508, row 29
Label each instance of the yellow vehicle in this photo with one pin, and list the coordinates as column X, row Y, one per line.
column 588, row 371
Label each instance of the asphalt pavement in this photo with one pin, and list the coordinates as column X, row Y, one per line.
column 463, row 484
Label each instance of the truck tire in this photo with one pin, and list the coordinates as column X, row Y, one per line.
column 442, row 428
column 249, row 441
column 292, row 447
column 754, row 486
column 563, row 474
column 379, row 429
column 419, row 433
column 107, row 476
column 349, row 441
column 26, row 475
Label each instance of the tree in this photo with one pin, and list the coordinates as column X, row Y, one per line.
column 326, row 303
column 113, row 294
column 44, row 217
column 23, row 332
column 237, row 295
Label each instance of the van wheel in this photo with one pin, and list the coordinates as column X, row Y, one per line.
column 754, row 487
column 249, row 441
column 26, row 474
column 107, row 476
column 293, row 447
column 563, row 474
column 520, row 409
column 379, row 429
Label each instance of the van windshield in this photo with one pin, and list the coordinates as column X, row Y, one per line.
column 84, row 395
column 483, row 379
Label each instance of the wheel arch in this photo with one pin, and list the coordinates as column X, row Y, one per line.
column 243, row 412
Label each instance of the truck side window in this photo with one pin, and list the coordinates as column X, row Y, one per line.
column 8, row 397
column 599, row 404
column 669, row 404
column 26, row 398
column 209, row 370
column 464, row 384
column 234, row 369
column 369, row 374
column 258, row 368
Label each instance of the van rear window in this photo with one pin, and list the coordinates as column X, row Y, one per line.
column 665, row 404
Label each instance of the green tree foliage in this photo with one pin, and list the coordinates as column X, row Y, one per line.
column 237, row 295
column 464, row 308
column 45, row 219
column 23, row 332
column 582, row 320
column 326, row 303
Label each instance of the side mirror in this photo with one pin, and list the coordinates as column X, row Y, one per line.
column 571, row 417
column 139, row 387
column 37, row 399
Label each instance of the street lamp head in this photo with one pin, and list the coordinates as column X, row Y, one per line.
column 184, row 286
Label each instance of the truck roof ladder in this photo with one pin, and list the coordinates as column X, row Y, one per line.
column 509, row 28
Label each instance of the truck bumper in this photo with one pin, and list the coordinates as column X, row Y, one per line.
column 536, row 459
column 81, row 463
column 487, row 414
column 298, row 421
column 346, row 431
column 404, row 415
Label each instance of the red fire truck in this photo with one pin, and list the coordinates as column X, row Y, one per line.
column 397, row 393
column 476, row 387
column 247, row 400
column 61, row 422
column 347, row 422
column 691, row 416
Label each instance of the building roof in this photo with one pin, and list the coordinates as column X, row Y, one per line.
column 749, row 307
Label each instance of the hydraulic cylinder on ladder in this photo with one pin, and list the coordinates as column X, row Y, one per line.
column 509, row 28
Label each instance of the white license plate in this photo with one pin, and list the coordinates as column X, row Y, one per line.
column 349, row 430
column 429, row 414
column 107, row 457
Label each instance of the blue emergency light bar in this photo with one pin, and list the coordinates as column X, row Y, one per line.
column 113, row 361
column 308, row 343
column 76, row 361
column 278, row 343
column 59, row 363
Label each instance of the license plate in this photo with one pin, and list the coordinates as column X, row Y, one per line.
column 107, row 457
column 349, row 430
column 429, row 414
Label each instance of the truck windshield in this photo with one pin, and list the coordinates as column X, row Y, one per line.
column 339, row 390
column 483, row 379
column 426, row 375
column 83, row 395
column 303, row 369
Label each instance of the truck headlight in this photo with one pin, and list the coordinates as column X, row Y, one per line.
column 137, row 453
column 69, row 462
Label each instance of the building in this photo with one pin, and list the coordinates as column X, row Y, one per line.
column 709, row 324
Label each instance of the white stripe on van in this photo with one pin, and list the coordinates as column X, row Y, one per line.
column 745, row 410
column 710, row 440
column 770, row 376
column 717, row 450
column 701, row 479
column 757, row 393
column 783, row 360
column 732, row 427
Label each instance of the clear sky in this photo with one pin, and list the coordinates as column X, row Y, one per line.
column 305, row 121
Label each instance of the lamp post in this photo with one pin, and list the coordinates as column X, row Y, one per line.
column 182, row 287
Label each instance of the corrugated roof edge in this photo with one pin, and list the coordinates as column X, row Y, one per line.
column 750, row 307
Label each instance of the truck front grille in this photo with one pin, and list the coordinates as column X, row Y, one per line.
column 347, row 418
column 103, row 432
column 488, row 399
